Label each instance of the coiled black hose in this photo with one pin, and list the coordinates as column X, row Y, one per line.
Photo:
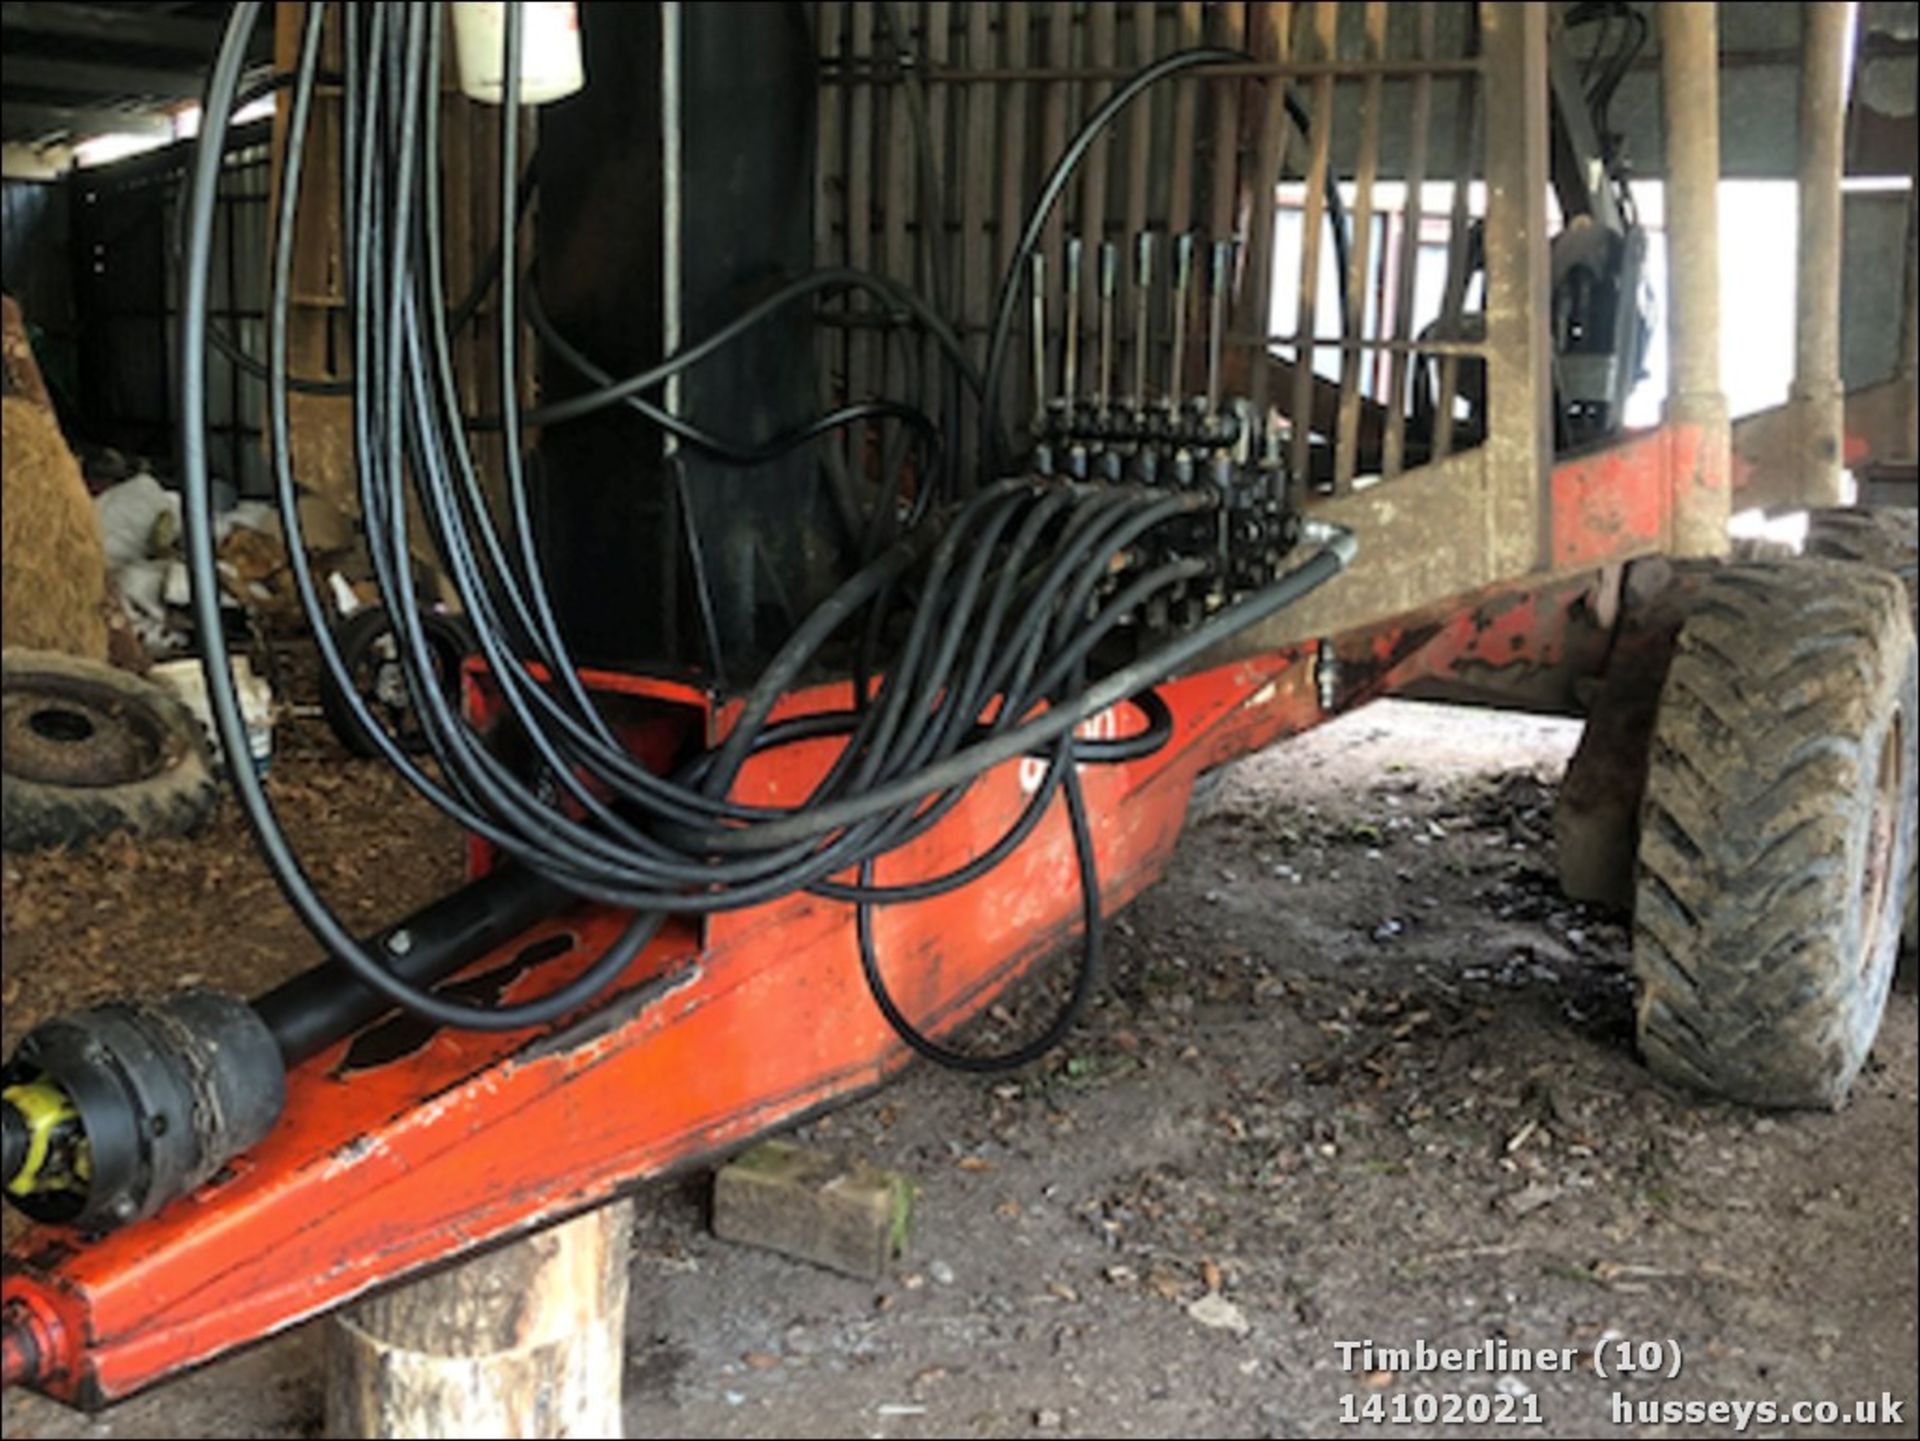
column 987, row 606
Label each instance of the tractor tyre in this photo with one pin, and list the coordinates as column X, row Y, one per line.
column 368, row 649
column 1887, row 537
column 1777, row 832
column 89, row 750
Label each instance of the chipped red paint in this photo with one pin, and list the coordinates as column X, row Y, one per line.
column 726, row 1028
column 1615, row 502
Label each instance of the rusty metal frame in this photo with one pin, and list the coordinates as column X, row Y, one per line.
column 1487, row 567
column 407, row 1145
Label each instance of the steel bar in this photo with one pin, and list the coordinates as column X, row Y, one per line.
column 1016, row 19
column 1273, row 36
column 1219, row 277
column 1017, row 27
column 936, row 40
column 1037, row 302
column 1818, row 397
column 1102, row 50
column 1360, row 254
column 1140, row 132
column 1230, row 30
column 1419, row 115
column 1109, row 294
column 1322, row 38
column 1453, row 303
column 1182, row 288
column 976, row 183
column 1054, row 105
column 1190, row 32
column 1070, row 346
column 1142, row 311
column 1391, row 345
column 1225, row 70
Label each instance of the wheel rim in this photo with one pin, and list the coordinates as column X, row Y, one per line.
column 1876, row 879
column 380, row 678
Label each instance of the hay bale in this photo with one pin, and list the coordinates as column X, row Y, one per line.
column 53, row 570
column 19, row 371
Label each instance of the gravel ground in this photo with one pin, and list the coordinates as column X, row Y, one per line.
column 1360, row 1073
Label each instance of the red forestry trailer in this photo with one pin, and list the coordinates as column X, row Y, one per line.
column 888, row 455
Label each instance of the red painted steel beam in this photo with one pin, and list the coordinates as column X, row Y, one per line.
column 407, row 1145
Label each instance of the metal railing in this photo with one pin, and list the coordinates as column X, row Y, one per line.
column 938, row 122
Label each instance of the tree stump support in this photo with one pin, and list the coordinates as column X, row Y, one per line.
column 521, row 1341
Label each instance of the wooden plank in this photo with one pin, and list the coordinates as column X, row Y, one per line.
column 936, row 42
column 1017, row 24
column 1189, row 31
column 977, row 186
column 1519, row 437
column 320, row 427
column 827, row 177
column 1419, row 115
column 1360, row 254
column 1454, row 301
column 1230, row 30
column 1102, row 50
column 1273, row 40
column 899, row 187
column 859, row 213
column 976, row 206
column 1140, row 133
column 1326, row 21
column 1140, row 126
column 829, row 197
column 1055, row 98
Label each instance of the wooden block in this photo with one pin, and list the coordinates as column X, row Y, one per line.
column 847, row 1216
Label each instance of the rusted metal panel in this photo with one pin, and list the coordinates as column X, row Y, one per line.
column 1605, row 506
column 1432, row 532
column 380, row 1169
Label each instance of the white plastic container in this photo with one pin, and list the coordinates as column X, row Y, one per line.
column 549, row 50
column 185, row 680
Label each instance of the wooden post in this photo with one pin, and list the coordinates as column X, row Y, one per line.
column 523, row 1341
column 1519, row 445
